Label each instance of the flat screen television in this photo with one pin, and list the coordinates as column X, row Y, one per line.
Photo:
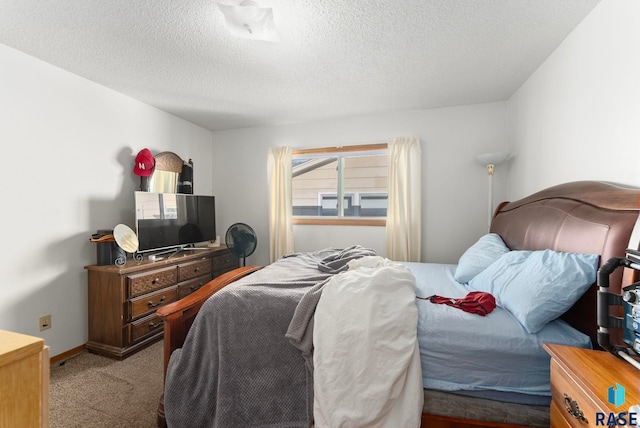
column 173, row 220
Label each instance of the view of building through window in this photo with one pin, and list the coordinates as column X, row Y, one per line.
column 358, row 181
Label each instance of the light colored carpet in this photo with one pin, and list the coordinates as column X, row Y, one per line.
column 89, row 390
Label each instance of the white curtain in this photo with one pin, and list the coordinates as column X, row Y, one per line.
column 404, row 217
column 280, row 200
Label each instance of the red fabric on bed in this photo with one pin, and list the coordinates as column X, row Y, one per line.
column 475, row 302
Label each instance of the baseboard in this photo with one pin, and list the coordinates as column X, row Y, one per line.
column 68, row 354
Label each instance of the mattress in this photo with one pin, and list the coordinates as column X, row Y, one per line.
column 490, row 356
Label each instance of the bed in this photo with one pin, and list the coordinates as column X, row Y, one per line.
column 597, row 220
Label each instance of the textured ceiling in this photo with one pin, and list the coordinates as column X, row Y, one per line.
column 334, row 58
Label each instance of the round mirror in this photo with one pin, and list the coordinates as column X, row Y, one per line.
column 125, row 238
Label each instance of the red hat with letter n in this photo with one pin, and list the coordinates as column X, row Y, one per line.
column 144, row 163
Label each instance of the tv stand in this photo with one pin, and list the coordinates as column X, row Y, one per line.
column 123, row 299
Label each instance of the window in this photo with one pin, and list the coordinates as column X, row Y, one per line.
column 347, row 185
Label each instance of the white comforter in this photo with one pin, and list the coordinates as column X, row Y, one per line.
column 366, row 356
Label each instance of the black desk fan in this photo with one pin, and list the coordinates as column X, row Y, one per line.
column 241, row 241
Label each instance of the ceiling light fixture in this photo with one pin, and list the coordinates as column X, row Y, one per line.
column 249, row 21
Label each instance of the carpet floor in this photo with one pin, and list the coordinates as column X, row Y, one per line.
column 89, row 390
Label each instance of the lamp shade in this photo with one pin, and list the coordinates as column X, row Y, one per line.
column 249, row 21
column 492, row 158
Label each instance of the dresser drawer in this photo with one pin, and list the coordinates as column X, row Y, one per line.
column 188, row 287
column 148, row 303
column 225, row 262
column 566, row 393
column 145, row 326
column 194, row 269
column 146, row 282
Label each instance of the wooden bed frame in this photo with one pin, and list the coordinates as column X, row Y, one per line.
column 583, row 217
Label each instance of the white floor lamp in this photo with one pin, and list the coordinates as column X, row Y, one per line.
column 490, row 160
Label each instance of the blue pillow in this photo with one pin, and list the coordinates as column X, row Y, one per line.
column 537, row 286
column 479, row 256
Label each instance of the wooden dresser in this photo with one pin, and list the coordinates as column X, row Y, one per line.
column 580, row 383
column 123, row 300
column 24, row 381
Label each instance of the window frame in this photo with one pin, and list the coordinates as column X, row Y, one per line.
column 369, row 149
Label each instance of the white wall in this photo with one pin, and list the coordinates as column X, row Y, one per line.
column 454, row 187
column 578, row 116
column 68, row 151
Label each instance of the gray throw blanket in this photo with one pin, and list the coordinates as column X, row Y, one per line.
column 236, row 367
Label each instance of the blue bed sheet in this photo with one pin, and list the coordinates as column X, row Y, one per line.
column 463, row 352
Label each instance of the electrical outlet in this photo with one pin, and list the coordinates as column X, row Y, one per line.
column 45, row 322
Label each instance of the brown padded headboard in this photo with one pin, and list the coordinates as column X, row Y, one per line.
column 590, row 217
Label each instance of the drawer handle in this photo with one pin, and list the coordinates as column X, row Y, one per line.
column 196, row 269
column 153, row 305
column 155, row 281
column 573, row 409
column 153, row 326
column 195, row 287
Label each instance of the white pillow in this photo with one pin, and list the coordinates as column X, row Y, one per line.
column 537, row 286
column 479, row 256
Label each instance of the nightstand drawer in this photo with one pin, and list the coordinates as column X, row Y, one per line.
column 557, row 416
column 188, row 287
column 577, row 409
column 148, row 303
column 194, row 269
column 145, row 326
column 146, row 282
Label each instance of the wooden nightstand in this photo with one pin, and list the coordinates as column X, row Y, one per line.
column 580, row 382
